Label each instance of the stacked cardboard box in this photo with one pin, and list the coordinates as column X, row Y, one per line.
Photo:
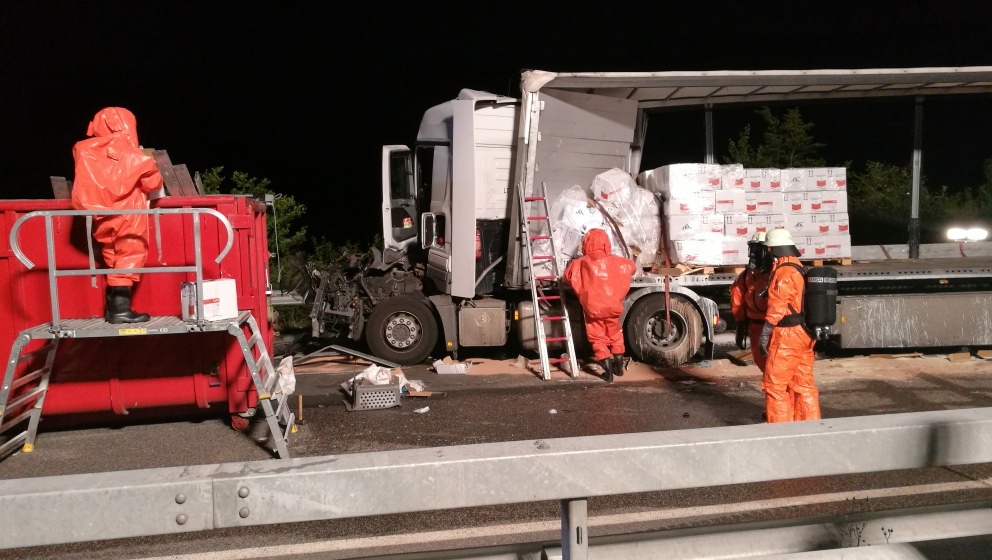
column 711, row 211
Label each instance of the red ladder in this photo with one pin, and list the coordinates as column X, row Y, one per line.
column 547, row 289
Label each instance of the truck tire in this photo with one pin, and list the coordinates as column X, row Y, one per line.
column 646, row 336
column 402, row 329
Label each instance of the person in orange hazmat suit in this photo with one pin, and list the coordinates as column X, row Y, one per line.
column 601, row 281
column 112, row 173
column 790, row 391
column 749, row 297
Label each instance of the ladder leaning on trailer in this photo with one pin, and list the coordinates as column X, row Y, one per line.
column 22, row 393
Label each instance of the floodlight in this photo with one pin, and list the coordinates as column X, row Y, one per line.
column 957, row 234
column 977, row 234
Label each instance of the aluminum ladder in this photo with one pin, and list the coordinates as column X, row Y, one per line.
column 547, row 290
column 21, row 398
column 274, row 402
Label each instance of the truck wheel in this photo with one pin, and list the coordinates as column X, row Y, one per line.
column 652, row 343
column 401, row 329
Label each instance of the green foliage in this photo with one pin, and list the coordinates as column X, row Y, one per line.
column 287, row 235
column 786, row 142
column 880, row 196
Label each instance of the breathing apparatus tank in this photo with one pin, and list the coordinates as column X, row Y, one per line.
column 820, row 299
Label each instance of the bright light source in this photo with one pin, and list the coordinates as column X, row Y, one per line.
column 957, row 234
column 977, row 234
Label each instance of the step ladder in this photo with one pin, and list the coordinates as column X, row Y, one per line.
column 547, row 289
column 21, row 397
column 274, row 402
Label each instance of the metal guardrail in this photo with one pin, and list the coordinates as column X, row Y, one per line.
column 54, row 273
column 51, row 510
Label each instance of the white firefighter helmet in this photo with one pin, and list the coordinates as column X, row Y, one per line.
column 757, row 238
column 778, row 237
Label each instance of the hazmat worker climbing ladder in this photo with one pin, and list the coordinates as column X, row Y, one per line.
column 112, row 173
column 790, row 391
column 601, row 281
column 749, row 298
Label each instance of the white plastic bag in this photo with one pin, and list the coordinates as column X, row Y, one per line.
column 287, row 377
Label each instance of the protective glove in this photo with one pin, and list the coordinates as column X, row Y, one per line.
column 742, row 328
column 766, row 334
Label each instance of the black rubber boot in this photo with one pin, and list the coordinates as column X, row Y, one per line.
column 607, row 365
column 618, row 365
column 119, row 307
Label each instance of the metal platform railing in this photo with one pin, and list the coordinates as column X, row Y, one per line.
column 54, row 273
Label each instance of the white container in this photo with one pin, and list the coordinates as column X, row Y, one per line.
column 794, row 179
column 452, row 368
column 829, row 202
column 764, row 203
column 763, row 180
column 220, row 300
column 728, row 201
column 832, row 224
column 689, row 203
column 696, row 226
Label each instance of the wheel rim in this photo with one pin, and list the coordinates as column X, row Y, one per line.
column 664, row 339
column 402, row 331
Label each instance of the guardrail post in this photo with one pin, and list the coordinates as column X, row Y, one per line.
column 574, row 529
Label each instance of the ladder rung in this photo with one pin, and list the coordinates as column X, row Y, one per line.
column 15, row 420
column 556, row 339
column 557, row 360
column 25, row 379
column 546, row 278
column 542, row 257
column 25, row 397
column 552, row 318
column 533, row 198
column 537, row 218
column 536, row 237
column 546, row 298
column 253, row 340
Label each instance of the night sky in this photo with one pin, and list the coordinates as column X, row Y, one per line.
column 306, row 95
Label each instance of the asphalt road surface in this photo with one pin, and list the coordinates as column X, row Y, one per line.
column 499, row 401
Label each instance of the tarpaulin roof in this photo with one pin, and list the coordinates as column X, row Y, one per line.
column 669, row 89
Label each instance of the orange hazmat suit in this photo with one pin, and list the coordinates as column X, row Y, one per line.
column 788, row 384
column 601, row 282
column 112, row 173
column 748, row 302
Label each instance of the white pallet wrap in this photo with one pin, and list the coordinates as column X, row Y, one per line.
column 634, row 208
column 732, row 177
column 682, row 178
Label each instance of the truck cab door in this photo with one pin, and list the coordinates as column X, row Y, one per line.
column 399, row 202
